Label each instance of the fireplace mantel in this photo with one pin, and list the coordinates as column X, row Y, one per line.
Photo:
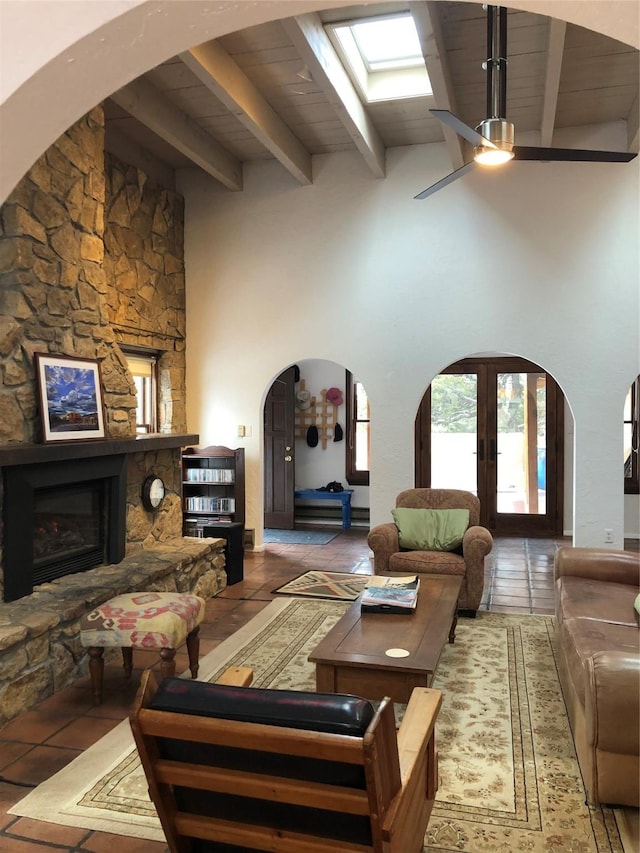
column 28, row 454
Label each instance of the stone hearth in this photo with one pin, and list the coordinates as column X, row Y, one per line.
column 40, row 648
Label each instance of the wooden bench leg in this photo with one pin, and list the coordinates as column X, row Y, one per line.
column 193, row 648
column 127, row 661
column 96, row 669
column 167, row 663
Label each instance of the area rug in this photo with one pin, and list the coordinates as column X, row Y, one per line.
column 509, row 779
column 339, row 586
column 298, row 537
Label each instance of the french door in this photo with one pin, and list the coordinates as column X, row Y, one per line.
column 495, row 427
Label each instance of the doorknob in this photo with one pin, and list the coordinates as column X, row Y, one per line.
column 288, row 458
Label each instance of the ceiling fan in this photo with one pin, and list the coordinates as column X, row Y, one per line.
column 493, row 139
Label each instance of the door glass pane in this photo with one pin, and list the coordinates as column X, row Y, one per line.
column 454, row 407
column 521, row 445
column 362, row 428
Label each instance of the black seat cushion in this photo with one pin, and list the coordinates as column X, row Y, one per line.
column 319, row 712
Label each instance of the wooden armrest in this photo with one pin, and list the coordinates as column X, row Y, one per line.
column 236, row 676
column 417, row 726
column 406, row 820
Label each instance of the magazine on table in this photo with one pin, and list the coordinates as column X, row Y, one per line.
column 390, row 595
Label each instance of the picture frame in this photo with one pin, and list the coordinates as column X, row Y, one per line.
column 70, row 390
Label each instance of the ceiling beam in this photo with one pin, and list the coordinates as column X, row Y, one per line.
column 555, row 51
column 214, row 67
column 427, row 21
column 145, row 103
column 318, row 54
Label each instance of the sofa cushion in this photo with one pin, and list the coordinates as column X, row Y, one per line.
column 427, row 562
column 607, row 602
column 582, row 638
column 430, row 529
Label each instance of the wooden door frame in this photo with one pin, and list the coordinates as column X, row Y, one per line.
column 551, row 524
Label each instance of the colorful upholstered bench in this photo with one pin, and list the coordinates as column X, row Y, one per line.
column 143, row 620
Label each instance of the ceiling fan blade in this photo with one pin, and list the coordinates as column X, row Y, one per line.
column 523, row 152
column 448, row 180
column 461, row 128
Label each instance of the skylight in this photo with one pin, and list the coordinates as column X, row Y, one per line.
column 390, row 43
column 383, row 56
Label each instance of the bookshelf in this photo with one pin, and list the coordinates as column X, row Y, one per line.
column 212, row 488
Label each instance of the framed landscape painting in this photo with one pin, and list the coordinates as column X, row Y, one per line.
column 70, row 397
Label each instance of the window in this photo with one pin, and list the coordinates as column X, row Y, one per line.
column 143, row 368
column 631, row 439
column 383, row 56
column 358, row 433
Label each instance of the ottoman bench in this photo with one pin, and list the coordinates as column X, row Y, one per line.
column 142, row 620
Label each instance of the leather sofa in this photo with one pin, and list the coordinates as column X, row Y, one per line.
column 599, row 666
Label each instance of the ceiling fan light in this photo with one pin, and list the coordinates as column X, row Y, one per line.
column 486, row 156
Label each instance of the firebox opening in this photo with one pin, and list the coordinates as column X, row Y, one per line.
column 62, row 518
column 69, row 530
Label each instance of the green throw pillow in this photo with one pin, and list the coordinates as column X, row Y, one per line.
column 430, row 529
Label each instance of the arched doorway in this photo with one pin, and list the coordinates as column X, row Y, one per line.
column 313, row 427
column 495, row 427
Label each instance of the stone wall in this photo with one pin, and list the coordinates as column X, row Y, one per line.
column 91, row 259
column 144, row 266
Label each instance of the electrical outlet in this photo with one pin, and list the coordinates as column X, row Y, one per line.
column 608, row 536
column 241, row 431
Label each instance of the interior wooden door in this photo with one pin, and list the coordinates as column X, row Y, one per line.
column 495, row 427
column 279, row 449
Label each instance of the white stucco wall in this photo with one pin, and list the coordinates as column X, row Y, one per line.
column 539, row 260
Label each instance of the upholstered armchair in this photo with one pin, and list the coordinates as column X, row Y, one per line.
column 467, row 560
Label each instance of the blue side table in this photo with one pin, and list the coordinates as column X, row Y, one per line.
column 344, row 497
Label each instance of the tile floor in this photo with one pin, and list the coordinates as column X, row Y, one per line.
column 43, row 740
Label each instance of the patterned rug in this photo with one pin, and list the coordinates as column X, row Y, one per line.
column 340, row 586
column 298, row 537
column 509, row 779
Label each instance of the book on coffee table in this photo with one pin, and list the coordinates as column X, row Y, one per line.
column 390, row 595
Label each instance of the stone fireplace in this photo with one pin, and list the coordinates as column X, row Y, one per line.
column 91, row 264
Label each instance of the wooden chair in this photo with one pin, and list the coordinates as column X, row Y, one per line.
column 244, row 769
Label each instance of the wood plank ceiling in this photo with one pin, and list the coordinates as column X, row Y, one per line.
column 241, row 99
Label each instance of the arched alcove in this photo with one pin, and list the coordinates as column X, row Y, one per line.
column 305, row 430
column 495, row 425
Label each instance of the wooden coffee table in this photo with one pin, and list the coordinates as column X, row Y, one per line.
column 353, row 657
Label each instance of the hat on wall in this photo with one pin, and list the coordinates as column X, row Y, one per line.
column 312, row 436
column 334, row 396
column 303, row 400
column 337, row 433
